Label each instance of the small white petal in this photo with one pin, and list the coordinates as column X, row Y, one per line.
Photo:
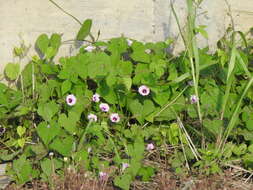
column 90, row 48
column 96, row 97
column 92, row 117
column 144, row 90
column 104, row 107
column 114, row 117
column 150, row 146
column 129, row 42
column 71, row 100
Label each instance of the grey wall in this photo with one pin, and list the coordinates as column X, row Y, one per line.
column 145, row 20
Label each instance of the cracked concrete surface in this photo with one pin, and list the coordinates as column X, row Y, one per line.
column 145, row 20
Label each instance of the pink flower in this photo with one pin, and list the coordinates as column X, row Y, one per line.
column 71, row 100
column 90, row 48
column 194, row 99
column 104, row 107
column 114, row 117
column 129, row 42
column 96, row 97
column 144, row 90
column 124, row 166
column 150, row 146
column 103, row 176
column 92, row 117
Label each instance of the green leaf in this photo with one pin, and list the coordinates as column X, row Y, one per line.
column 84, row 30
column 12, row 70
column 123, row 181
column 249, row 124
column 47, row 132
column 23, row 170
column 48, row 110
column 49, row 166
column 250, row 148
column 21, row 142
column 21, row 131
column 66, row 86
column 50, row 52
column 146, row 173
column 55, row 41
column 69, row 123
column 214, row 126
column 63, row 146
column 239, row 150
column 127, row 81
column 136, row 109
column 42, row 43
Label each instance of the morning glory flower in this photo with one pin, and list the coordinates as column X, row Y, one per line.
column 51, row 154
column 71, row 100
column 96, row 97
column 90, row 48
column 104, row 107
column 144, row 90
column 129, row 42
column 194, row 99
column 92, row 117
column 150, row 146
column 124, row 166
column 114, row 117
column 103, row 176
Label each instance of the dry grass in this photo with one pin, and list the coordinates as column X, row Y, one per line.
column 233, row 178
column 164, row 180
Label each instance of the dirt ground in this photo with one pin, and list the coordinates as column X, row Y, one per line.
column 231, row 179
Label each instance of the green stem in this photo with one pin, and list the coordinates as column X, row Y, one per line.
column 80, row 144
column 66, row 12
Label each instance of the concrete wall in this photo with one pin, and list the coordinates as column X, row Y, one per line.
column 146, row 20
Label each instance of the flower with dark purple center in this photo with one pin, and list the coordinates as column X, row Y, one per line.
column 144, row 90
column 71, row 100
column 96, row 97
column 92, row 117
column 104, row 107
column 114, row 117
column 194, row 99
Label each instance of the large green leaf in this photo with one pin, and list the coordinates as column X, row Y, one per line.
column 63, row 146
column 69, row 123
column 12, row 70
column 47, row 132
column 48, row 110
column 42, row 43
column 84, row 30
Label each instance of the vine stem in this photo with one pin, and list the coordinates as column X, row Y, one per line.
column 59, row 7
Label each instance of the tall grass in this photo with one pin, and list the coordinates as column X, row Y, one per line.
column 191, row 46
column 190, row 43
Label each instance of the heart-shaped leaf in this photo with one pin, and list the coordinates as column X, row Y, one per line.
column 47, row 132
